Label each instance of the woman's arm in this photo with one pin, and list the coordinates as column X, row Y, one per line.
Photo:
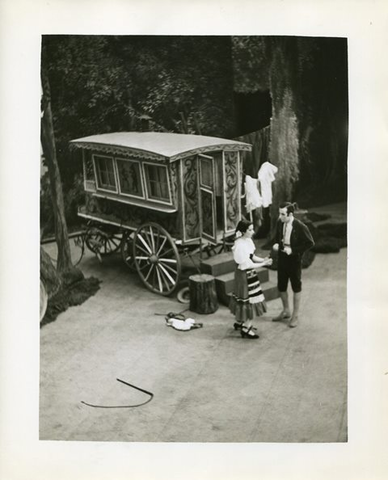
column 246, row 264
column 261, row 262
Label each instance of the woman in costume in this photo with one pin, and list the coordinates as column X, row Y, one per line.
column 247, row 299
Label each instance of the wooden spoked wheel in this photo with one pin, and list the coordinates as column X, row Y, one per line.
column 102, row 242
column 156, row 258
column 127, row 250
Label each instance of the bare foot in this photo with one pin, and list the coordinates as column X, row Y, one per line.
column 282, row 316
column 293, row 322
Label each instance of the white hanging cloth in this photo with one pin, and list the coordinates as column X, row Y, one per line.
column 252, row 195
column 266, row 176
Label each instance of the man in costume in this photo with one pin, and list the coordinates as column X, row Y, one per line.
column 293, row 239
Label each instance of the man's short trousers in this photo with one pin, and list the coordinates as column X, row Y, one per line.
column 289, row 268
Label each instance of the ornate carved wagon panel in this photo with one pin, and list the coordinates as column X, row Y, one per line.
column 232, row 190
column 190, row 197
column 174, row 174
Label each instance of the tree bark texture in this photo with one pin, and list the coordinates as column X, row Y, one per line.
column 64, row 264
column 48, row 274
column 284, row 141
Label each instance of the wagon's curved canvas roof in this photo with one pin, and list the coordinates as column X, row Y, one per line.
column 156, row 145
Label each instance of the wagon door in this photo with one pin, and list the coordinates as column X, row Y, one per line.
column 207, row 198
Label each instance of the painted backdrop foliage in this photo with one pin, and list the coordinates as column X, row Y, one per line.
column 189, row 84
column 118, row 83
column 307, row 79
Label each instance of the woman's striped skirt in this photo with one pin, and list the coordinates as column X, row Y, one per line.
column 247, row 300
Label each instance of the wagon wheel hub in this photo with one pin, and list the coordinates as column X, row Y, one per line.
column 153, row 259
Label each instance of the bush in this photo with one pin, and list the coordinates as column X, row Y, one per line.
column 329, row 237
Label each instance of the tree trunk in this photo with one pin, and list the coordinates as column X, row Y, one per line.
column 203, row 296
column 284, row 141
column 48, row 274
column 64, row 265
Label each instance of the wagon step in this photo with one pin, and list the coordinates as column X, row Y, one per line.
column 218, row 265
column 222, row 267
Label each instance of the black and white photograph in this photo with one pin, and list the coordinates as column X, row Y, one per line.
column 190, row 182
column 193, row 248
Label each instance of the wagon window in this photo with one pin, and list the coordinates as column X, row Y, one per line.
column 105, row 173
column 207, row 172
column 129, row 178
column 157, row 183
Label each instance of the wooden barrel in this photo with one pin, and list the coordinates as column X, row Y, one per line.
column 203, row 295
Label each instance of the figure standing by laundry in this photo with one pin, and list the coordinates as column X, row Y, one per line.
column 266, row 177
column 247, row 300
column 258, row 197
column 293, row 239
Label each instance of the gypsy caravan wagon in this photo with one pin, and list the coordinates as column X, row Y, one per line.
column 152, row 195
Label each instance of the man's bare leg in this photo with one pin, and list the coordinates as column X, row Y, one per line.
column 295, row 313
column 286, row 313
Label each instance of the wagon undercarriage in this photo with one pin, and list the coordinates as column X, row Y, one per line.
column 150, row 251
